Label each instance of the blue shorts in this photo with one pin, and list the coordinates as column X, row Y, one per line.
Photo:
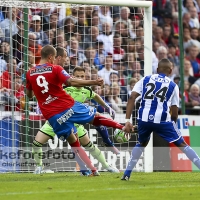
column 63, row 123
column 167, row 130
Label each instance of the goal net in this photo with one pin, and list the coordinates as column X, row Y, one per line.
column 108, row 39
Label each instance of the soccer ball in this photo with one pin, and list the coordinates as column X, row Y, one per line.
column 120, row 136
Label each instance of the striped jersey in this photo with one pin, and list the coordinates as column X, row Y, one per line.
column 158, row 94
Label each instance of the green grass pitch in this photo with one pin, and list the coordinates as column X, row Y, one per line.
column 58, row 186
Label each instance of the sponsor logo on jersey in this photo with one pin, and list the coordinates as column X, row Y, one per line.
column 64, row 73
column 65, row 117
column 160, row 79
column 41, row 70
column 49, row 99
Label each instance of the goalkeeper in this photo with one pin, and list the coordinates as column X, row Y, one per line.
column 46, row 132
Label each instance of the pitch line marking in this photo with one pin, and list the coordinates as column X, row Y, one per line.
column 92, row 190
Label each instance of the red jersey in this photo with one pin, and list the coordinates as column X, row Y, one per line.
column 46, row 82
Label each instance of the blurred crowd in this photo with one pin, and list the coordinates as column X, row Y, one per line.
column 108, row 41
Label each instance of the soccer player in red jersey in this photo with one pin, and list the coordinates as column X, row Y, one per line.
column 45, row 82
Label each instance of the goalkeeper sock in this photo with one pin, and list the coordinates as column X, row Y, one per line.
column 101, row 120
column 80, row 152
column 136, row 153
column 97, row 154
column 37, row 150
column 191, row 154
column 103, row 131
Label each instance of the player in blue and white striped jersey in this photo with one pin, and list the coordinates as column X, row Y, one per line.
column 159, row 95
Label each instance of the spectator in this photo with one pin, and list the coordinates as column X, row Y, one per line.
column 86, row 66
column 53, row 22
column 115, row 99
column 154, row 23
column 130, row 46
column 3, row 66
column 186, row 92
column 120, row 79
column 80, row 25
column 124, row 17
column 187, row 4
column 192, row 56
column 5, row 78
column 188, row 72
column 90, row 54
column 67, row 64
column 194, row 95
column 137, row 67
column 160, row 7
column 41, row 36
column 158, row 36
column 175, row 26
column 194, row 33
column 45, row 18
column 106, row 92
column 73, row 62
column 173, row 57
column 194, row 21
column 167, row 33
column 94, row 74
column 50, row 34
column 186, row 19
column 5, row 51
column 174, row 5
column 100, row 55
column 73, row 14
column 167, row 18
column 129, row 60
column 161, row 53
column 34, row 47
column 19, row 94
column 69, row 28
column 95, row 22
column 59, row 40
column 73, row 50
column 118, row 52
column 137, row 75
column 175, row 42
column 175, row 72
column 91, row 38
column 107, row 38
column 141, row 59
column 119, row 27
column 98, row 90
column 105, row 72
column 131, row 85
column 156, row 45
column 104, row 16
column 177, row 80
column 5, row 24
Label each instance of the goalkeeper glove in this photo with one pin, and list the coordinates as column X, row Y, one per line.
column 110, row 111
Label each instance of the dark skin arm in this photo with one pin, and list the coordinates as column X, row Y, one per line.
column 174, row 113
column 129, row 108
column 81, row 83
